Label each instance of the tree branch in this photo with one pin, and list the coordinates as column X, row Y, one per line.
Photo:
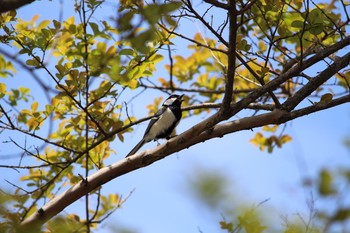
column 147, row 157
column 246, row 7
column 8, row 5
column 292, row 72
column 231, row 69
column 313, row 84
column 217, row 4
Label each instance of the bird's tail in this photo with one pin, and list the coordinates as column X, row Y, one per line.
column 136, row 148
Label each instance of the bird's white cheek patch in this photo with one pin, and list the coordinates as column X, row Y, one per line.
column 169, row 102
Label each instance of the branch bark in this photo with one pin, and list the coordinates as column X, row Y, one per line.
column 313, row 84
column 231, row 69
column 175, row 144
column 201, row 132
column 217, row 4
column 8, row 5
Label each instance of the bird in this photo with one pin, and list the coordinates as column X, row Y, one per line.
column 163, row 123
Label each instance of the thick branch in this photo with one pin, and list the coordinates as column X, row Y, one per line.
column 203, row 131
column 217, row 4
column 229, row 85
column 313, row 84
column 250, row 98
column 292, row 72
column 8, row 5
column 176, row 144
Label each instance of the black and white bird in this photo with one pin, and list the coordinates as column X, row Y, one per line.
column 163, row 122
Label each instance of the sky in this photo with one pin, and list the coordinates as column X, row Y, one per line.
column 161, row 199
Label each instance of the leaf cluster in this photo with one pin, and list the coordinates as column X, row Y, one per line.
column 255, row 58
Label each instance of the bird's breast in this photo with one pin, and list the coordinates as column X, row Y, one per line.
column 166, row 122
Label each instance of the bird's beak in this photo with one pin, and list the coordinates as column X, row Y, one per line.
column 180, row 98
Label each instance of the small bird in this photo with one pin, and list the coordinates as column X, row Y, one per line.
column 163, row 122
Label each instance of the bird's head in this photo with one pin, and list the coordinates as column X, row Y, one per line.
column 173, row 100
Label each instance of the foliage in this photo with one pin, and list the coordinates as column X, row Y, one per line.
column 328, row 205
column 256, row 59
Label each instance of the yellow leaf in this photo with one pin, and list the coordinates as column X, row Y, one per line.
column 101, row 46
column 2, row 88
column 270, row 128
column 55, row 101
column 44, row 24
column 114, row 198
column 262, row 46
column 111, row 50
column 34, row 106
column 285, row 138
column 132, row 83
column 70, row 20
column 259, row 140
column 33, row 123
column 32, row 210
column 35, row 18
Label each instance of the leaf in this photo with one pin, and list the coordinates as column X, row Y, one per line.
column 226, row 226
column 33, row 62
column 270, row 128
column 251, row 223
column 57, row 24
column 43, row 24
column 325, row 186
column 169, row 7
column 95, row 28
column 259, row 140
column 341, row 215
column 262, row 46
column 285, row 138
column 317, row 29
column 2, row 90
column 298, row 24
column 326, row 98
column 34, row 106
column 243, row 45
column 126, row 52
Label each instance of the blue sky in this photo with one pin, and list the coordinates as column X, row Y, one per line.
column 162, row 201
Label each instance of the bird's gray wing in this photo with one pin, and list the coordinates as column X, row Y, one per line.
column 154, row 119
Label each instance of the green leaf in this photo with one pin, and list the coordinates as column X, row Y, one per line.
column 298, row 24
column 226, row 226
column 243, row 45
column 25, row 50
column 32, row 62
column 169, row 7
column 126, row 52
column 341, row 215
column 57, row 24
column 325, row 186
column 317, row 29
column 326, row 98
column 95, row 28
